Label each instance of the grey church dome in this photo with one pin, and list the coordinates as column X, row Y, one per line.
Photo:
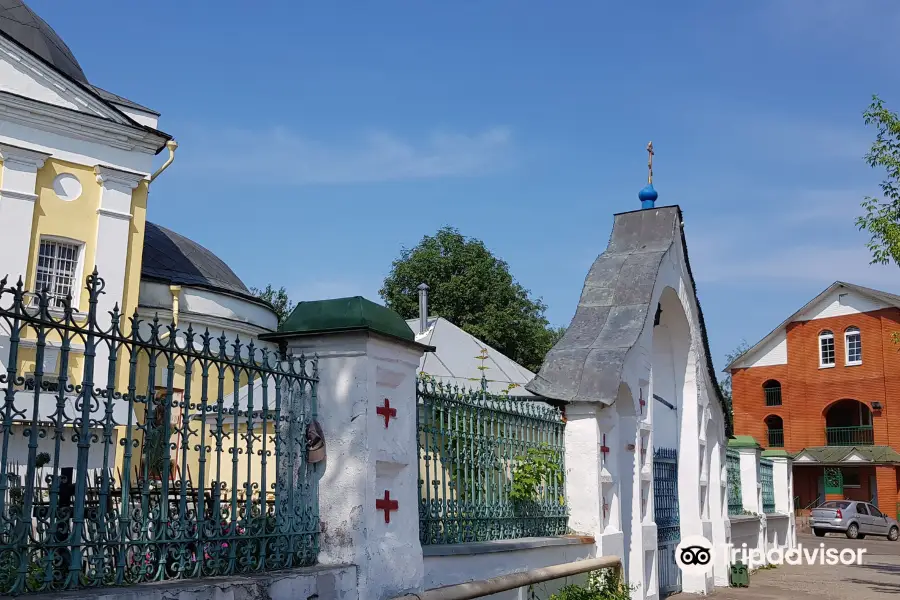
column 20, row 23
column 174, row 259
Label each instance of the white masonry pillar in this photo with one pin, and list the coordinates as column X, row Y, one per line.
column 783, row 486
column 17, row 200
column 368, row 486
column 18, row 182
column 751, row 485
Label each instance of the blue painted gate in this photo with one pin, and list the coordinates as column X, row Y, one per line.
column 668, row 522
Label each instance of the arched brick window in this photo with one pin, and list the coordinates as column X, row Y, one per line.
column 853, row 346
column 826, row 349
column 772, row 389
column 775, row 431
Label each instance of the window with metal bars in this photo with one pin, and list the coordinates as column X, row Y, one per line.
column 853, row 343
column 772, row 389
column 57, row 270
column 826, row 349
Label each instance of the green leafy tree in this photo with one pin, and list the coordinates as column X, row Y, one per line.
column 725, row 382
column 473, row 289
column 278, row 299
column 882, row 218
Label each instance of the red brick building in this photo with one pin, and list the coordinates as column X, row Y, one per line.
column 825, row 387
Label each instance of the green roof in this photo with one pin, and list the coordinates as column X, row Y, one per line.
column 776, row 453
column 743, row 441
column 345, row 314
column 837, row 454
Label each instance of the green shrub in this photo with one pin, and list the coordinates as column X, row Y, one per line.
column 601, row 585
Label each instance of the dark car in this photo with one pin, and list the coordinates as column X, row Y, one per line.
column 855, row 519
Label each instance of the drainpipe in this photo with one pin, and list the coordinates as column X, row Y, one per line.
column 175, row 290
column 423, row 308
column 172, row 145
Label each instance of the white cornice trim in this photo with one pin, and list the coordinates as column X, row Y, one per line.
column 23, row 156
column 74, row 124
column 18, row 195
column 107, row 175
column 114, row 214
column 216, row 325
column 64, row 87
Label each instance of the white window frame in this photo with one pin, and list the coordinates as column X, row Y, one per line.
column 851, row 331
column 78, row 280
column 826, row 335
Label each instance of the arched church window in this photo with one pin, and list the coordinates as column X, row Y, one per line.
column 826, row 349
column 853, row 344
column 772, row 389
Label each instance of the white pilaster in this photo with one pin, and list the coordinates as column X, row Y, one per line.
column 783, row 484
column 111, row 256
column 751, row 488
column 368, row 458
column 114, row 222
column 718, row 510
column 17, row 200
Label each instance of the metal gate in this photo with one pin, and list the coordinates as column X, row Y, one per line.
column 668, row 523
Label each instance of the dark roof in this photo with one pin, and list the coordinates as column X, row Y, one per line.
column 117, row 99
column 346, row 314
column 586, row 364
column 174, row 259
column 21, row 24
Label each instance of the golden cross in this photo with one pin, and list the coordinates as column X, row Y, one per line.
column 650, row 163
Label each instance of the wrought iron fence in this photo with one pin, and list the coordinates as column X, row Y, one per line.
column 133, row 451
column 776, row 438
column 859, row 435
column 768, row 487
column 490, row 466
column 733, row 476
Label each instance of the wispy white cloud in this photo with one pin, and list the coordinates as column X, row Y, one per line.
column 837, row 21
column 824, row 206
column 804, row 141
column 793, row 265
column 284, row 156
column 336, row 288
column 796, row 243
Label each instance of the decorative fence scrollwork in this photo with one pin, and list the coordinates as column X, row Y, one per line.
column 490, row 466
column 733, row 477
column 133, row 451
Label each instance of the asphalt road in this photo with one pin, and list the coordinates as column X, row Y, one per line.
column 876, row 579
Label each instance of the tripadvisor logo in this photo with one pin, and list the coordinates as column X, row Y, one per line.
column 695, row 554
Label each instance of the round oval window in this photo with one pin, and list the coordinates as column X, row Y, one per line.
column 67, row 187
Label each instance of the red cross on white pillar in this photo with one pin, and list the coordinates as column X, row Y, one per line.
column 387, row 412
column 387, row 505
column 603, row 447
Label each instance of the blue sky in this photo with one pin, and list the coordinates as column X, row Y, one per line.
column 317, row 138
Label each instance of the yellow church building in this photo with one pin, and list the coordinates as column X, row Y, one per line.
column 75, row 182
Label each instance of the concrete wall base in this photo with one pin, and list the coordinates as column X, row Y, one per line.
column 338, row 582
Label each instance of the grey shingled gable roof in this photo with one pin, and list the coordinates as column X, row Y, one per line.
column 886, row 297
column 586, row 364
column 24, row 27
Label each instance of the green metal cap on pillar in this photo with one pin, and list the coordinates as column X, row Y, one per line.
column 339, row 315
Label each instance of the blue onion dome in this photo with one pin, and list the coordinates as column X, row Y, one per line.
column 648, row 195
